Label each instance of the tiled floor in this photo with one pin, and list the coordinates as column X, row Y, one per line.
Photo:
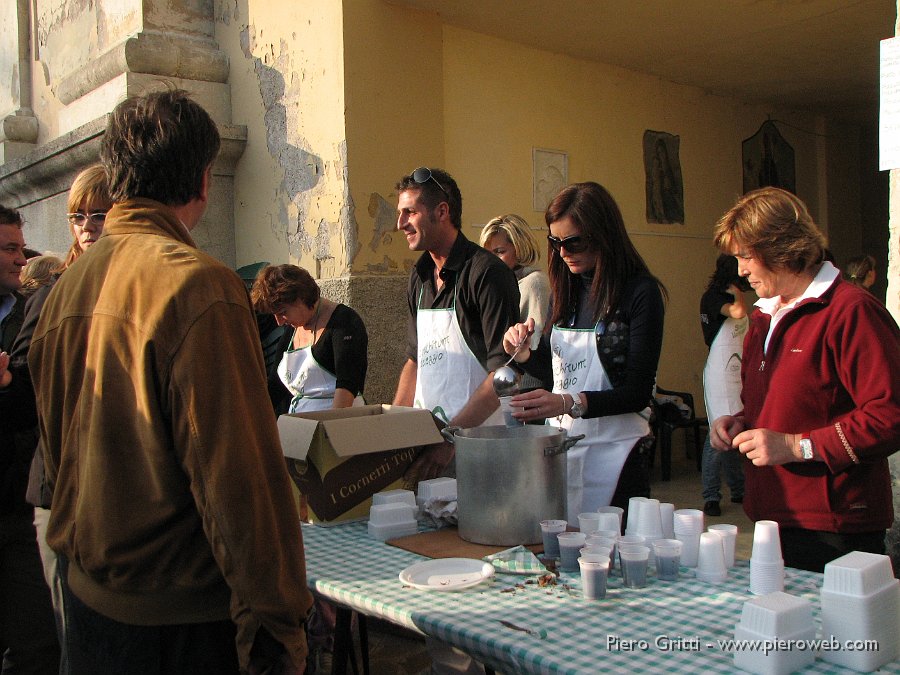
column 395, row 651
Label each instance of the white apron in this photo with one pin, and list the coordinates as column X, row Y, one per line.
column 447, row 372
column 312, row 386
column 722, row 373
column 594, row 463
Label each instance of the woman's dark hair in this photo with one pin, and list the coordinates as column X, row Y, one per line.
column 279, row 285
column 599, row 220
column 726, row 274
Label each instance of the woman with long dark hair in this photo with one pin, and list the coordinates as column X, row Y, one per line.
column 602, row 344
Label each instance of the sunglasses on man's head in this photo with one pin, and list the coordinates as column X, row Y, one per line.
column 423, row 174
column 575, row 244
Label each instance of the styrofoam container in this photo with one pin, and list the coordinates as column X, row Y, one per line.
column 435, row 488
column 392, row 514
column 858, row 573
column 777, row 614
column 858, row 618
column 393, row 530
column 393, row 497
column 779, row 662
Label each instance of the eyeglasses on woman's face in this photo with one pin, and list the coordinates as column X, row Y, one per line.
column 97, row 219
column 574, row 244
column 423, row 174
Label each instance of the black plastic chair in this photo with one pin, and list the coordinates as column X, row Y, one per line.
column 667, row 417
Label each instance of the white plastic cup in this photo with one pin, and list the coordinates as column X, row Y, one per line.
column 634, row 559
column 570, row 543
column 507, row 408
column 668, row 558
column 667, row 518
column 729, row 535
column 593, row 577
column 618, row 510
column 608, row 522
column 766, row 577
column 549, row 530
column 690, row 547
column 649, row 523
column 687, row 521
column 589, row 522
column 711, row 559
column 635, row 504
column 594, row 553
column 766, row 542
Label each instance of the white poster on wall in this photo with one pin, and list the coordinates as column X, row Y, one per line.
column 889, row 110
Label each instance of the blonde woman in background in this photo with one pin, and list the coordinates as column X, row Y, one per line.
column 860, row 271
column 509, row 238
column 38, row 271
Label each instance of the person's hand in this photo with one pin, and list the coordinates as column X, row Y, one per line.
column 515, row 337
column 764, row 447
column 5, row 375
column 723, row 431
column 537, row 405
column 430, row 463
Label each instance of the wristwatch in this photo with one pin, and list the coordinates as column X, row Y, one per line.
column 806, row 447
column 577, row 409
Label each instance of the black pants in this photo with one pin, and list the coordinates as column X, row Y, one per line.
column 634, row 481
column 812, row 549
column 99, row 645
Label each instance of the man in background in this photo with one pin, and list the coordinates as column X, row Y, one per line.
column 28, row 642
column 171, row 499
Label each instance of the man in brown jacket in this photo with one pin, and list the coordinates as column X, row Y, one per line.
column 171, row 499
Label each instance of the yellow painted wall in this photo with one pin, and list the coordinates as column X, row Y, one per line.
column 287, row 78
column 503, row 99
column 395, row 112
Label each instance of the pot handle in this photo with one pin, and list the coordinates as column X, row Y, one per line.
column 449, row 434
column 567, row 443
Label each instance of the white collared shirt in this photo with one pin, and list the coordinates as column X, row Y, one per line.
column 821, row 283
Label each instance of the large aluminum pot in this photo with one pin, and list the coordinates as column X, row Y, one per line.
column 508, row 479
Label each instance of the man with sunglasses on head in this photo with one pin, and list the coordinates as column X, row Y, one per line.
column 461, row 299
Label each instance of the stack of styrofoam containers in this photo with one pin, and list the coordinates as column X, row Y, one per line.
column 861, row 601
column 770, row 618
column 393, row 514
column 435, row 488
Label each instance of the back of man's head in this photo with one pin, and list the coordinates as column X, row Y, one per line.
column 158, row 146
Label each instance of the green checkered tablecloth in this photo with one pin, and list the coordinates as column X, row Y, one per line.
column 671, row 627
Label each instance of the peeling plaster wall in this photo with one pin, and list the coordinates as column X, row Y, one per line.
column 292, row 200
column 9, row 57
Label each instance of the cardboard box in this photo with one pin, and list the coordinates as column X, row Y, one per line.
column 339, row 458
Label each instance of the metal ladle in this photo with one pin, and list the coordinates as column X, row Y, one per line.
column 506, row 379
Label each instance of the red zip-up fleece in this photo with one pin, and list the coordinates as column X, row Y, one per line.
column 832, row 370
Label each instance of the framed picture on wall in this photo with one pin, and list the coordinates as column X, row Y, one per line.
column 550, row 174
column 768, row 160
column 662, row 172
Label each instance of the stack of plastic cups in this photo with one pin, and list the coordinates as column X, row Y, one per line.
column 618, row 510
column 729, row 540
column 667, row 518
column 635, row 504
column 766, row 563
column 711, row 559
column 687, row 527
column 861, row 602
column 649, row 524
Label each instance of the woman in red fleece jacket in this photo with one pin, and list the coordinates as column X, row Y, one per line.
column 821, row 387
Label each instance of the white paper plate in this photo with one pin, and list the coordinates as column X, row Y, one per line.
column 446, row 574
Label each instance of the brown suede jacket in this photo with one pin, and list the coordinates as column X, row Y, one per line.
column 171, row 497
